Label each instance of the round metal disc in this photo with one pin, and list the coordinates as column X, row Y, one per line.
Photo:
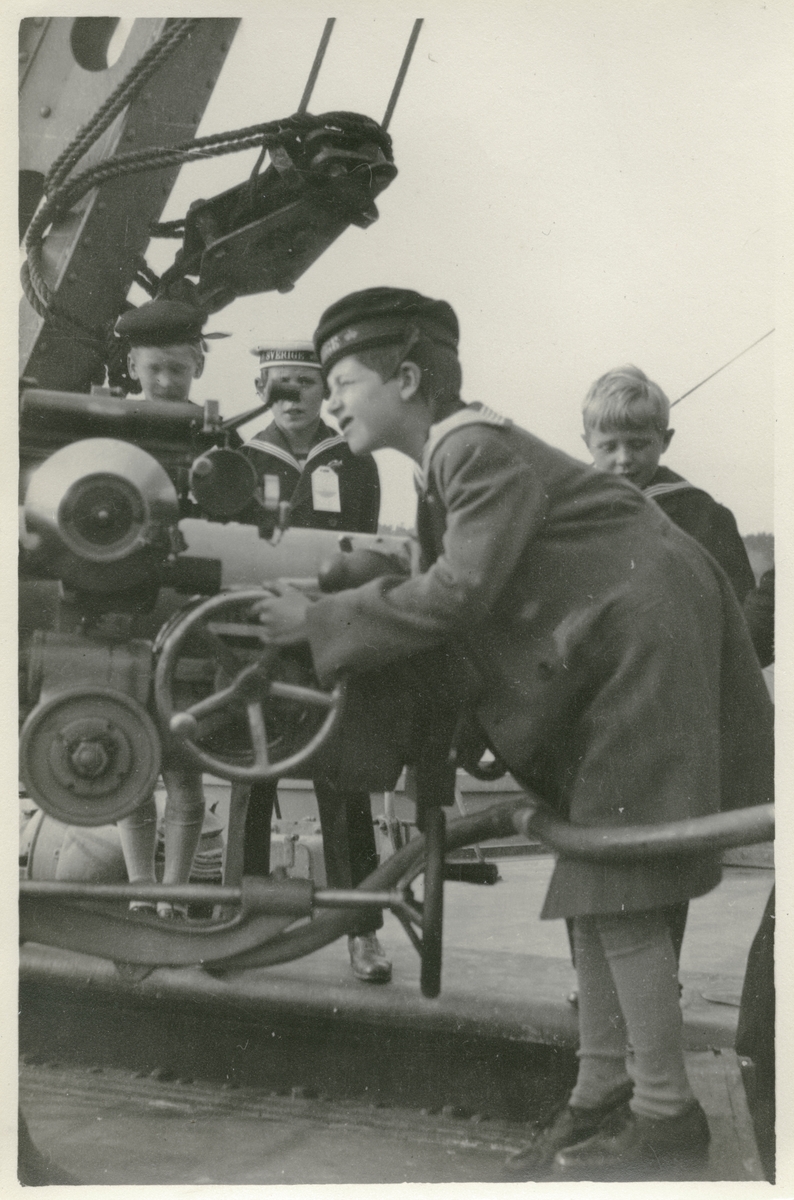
column 89, row 756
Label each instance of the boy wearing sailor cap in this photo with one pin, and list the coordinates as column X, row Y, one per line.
column 164, row 347
column 164, row 354
column 616, row 678
column 300, row 459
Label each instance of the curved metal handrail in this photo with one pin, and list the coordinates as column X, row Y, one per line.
column 743, row 826
column 627, row 843
column 266, row 934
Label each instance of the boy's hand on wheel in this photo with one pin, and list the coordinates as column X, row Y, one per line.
column 283, row 614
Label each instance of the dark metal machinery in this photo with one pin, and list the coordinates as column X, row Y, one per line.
column 93, row 252
column 106, row 479
column 88, row 207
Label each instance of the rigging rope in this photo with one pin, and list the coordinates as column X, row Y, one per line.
column 63, row 191
column 722, row 368
column 155, row 158
column 403, row 71
column 318, row 62
column 127, row 89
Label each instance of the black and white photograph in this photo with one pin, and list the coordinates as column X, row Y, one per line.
column 400, row 394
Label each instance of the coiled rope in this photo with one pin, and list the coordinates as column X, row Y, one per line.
column 174, row 34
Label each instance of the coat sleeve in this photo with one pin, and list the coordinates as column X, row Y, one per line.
column 759, row 612
column 725, row 543
column 493, row 506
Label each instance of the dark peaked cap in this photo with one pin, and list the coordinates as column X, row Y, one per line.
column 161, row 323
column 379, row 316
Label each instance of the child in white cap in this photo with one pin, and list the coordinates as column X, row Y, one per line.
column 303, row 461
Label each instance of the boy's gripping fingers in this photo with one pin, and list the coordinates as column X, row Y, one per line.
column 283, row 614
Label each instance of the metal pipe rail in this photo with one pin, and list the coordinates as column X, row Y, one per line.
column 275, row 899
column 741, row 827
column 270, row 925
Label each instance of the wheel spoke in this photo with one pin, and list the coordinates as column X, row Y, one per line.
column 238, row 629
column 210, row 704
column 220, row 651
column 256, row 724
column 304, row 695
column 230, row 651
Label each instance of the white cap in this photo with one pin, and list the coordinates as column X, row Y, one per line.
column 287, row 354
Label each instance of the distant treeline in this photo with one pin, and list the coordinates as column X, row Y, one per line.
column 760, row 551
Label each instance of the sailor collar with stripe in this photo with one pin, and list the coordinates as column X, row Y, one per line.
column 665, row 487
column 262, row 441
column 472, row 414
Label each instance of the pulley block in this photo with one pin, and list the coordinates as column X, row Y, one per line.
column 89, row 755
column 324, row 174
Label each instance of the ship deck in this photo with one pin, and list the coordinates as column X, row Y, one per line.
column 495, row 1046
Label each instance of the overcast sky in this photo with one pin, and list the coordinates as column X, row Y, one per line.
column 588, row 184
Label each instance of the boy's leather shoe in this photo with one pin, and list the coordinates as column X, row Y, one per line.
column 671, row 1148
column 368, row 960
column 566, row 1128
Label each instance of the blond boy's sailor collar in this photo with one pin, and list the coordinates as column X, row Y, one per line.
column 472, row 414
column 664, row 489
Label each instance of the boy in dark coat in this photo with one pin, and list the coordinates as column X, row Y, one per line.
column 626, row 418
column 626, row 429
column 300, row 459
column 615, row 674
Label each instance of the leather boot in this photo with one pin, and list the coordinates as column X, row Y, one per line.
column 368, row 960
column 669, row 1148
column 568, row 1126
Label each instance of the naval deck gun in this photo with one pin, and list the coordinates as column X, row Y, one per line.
column 144, row 545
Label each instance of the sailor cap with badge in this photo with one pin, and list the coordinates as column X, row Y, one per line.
column 325, row 487
column 381, row 316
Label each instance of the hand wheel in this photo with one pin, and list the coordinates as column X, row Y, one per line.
column 259, row 693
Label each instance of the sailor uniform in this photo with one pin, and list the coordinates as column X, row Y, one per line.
column 615, row 673
column 351, row 502
column 353, row 505
column 708, row 522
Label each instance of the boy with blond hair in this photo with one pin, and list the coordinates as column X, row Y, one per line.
column 626, row 429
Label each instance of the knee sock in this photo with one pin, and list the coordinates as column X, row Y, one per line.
column 184, row 816
column 138, row 837
column 642, row 963
column 602, row 1030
